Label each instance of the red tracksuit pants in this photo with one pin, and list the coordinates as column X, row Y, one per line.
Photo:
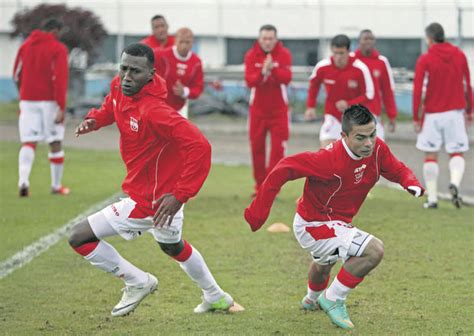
column 279, row 134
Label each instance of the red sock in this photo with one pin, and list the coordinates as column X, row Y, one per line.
column 87, row 248
column 318, row 287
column 347, row 279
column 185, row 253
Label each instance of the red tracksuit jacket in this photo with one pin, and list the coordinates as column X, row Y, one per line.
column 163, row 152
column 268, row 97
column 384, row 84
column 154, row 44
column 337, row 182
column 449, row 83
column 172, row 67
column 41, row 68
column 352, row 84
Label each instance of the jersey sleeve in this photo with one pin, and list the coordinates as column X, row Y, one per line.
column 467, row 86
column 17, row 68
column 366, row 85
column 387, row 85
column 314, row 86
column 196, row 86
column 420, row 71
column 282, row 73
column 104, row 115
column 288, row 169
column 193, row 147
column 60, row 77
column 253, row 75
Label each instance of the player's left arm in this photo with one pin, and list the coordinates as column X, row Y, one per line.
column 396, row 171
column 17, row 67
column 468, row 89
column 366, row 85
column 60, row 80
column 282, row 73
column 387, row 84
column 196, row 85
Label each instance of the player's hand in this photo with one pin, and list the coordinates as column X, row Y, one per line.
column 168, row 207
column 310, row 114
column 178, row 88
column 267, row 65
column 468, row 120
column 342, row 105
column 416, row 191
column 417, row 126
column 85, row 127
column 391, row 126
column 59, row 117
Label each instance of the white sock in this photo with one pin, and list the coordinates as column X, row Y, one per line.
column 57, row 166
column 337, row 291
column 456, row 168
column 106, row 257
column 25, row 162
column 313, row 295
column 196, row 268
column 430, row 174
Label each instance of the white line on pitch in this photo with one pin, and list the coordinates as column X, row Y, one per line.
column 30, row 252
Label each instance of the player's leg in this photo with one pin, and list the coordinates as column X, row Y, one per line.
column 456, row 143
column 429, row 140
column 279, row 135
column 86, row 238
column 30, row 129
column 330, row 131
column 257, row 134
column 193, row 264
column 318, row 280
column 54, row 136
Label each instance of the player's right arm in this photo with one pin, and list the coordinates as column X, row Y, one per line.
column 468, row 89
column 17, row 69
column 420, row 71
column 313, row 90
column 288, row 169
column 253, row 75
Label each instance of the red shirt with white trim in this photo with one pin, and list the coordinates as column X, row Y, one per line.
column 337, row 182
column 384, row 84
column 188, row 70
column 443, row 69
column 353, row 83
column 41, row 68
column 268, row 96
column 154, row 44
column 163, row 152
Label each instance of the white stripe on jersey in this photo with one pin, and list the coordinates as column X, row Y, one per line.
column 389, row 71
column 321, row 63
column 369, row 84
column 283, row 93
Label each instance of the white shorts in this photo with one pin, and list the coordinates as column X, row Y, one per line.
column 36, row 122
column 330, row 129
column 329, row 241
column 445, row 127
column 118, row 216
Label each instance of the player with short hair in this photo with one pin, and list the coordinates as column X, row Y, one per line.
column 447, row 103
column 338, row 179
column 384, row 85
column 347, row 81
column 159, row 39
column 181, row 68
column 41, row 75
column 167, row 160
column 267, row 74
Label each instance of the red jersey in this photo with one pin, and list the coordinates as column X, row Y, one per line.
column 163, row 152
column 154, row 44
column 188, row 70
column 268, row 96
column 384, row 84
column 353, row 84
column 444, row 68
column 41, row 68
column 337, row 182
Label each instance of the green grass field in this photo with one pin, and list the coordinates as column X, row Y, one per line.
column 423, row 285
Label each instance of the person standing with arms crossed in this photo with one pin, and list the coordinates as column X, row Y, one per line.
column 446, row 108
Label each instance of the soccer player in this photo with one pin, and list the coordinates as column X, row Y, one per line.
column 167, row 160
column 382, row 76
column 448, row 101
column 41, row 75
column 182, row 70
column 338, row 178
column 347, row 81
column 267, row 74
column 159, row 39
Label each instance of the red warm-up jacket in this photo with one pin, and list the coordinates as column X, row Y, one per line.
column 163, row 152
column 41, row 68
column 448, row 86
column 268, row 96
column 154, row 44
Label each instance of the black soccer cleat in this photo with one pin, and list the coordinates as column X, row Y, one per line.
column 430, row 205
column 455, row 198
column 24, row 191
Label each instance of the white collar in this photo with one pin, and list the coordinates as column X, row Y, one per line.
column 349, row 152
column 179, row 57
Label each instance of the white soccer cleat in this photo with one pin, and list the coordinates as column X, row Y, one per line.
column 133, row 295
column 223, row 304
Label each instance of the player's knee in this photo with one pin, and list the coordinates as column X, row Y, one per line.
column 172, row 249
column 377, row 251
column 79, row 236
column 55, row 146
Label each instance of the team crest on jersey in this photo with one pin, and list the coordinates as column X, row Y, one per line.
column 133, row 124
column 376, row 73
column 181, row 69
column 359, row 173
column 352, row 84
